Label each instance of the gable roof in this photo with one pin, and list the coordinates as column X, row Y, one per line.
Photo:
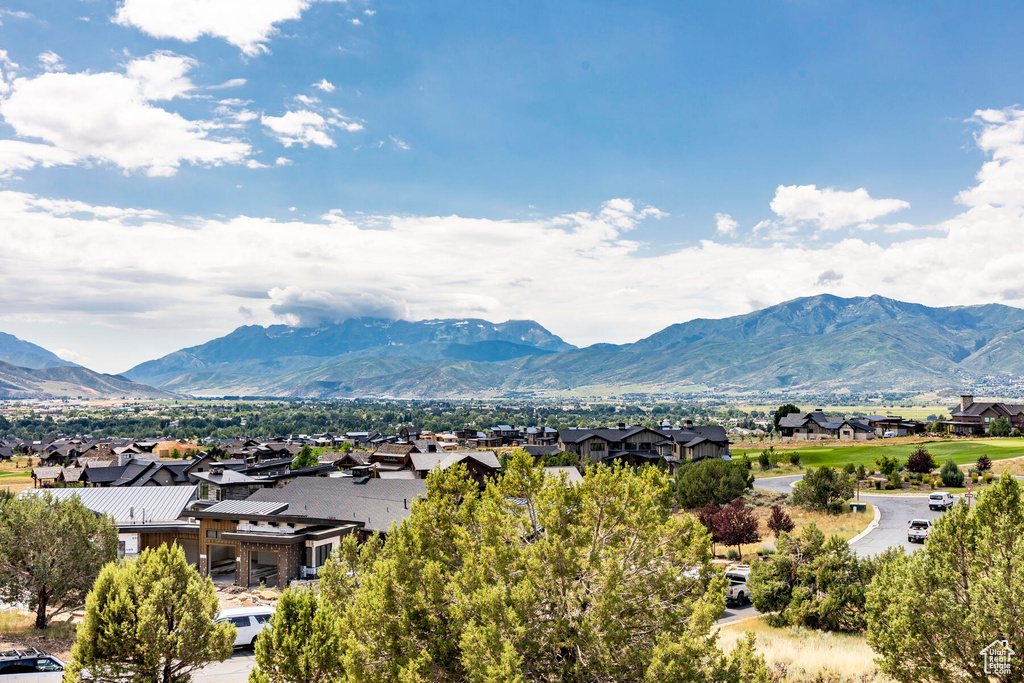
column 426, row 462
column 133, row 504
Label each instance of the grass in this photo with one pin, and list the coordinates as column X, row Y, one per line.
column 798, row 655
column 832, row 454
column 17, row 631
column 846, row 525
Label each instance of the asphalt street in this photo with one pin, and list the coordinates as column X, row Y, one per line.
column 234, row 669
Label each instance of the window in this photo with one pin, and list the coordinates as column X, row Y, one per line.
column 322, row 553
column 240, row 622
column 263, row 618
column 213, row 534
column 120, row 549
column 204, row 490
column 47, row 664
column 597, row 446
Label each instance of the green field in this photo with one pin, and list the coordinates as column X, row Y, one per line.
column 962, row 450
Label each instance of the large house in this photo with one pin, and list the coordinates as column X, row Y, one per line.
column 817, row 425
column 974, row 419
column 635, row 445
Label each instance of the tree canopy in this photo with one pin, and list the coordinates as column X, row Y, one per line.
column 783, row 411
column 823, row 489
column 51, row 551
column 531, row 579
column 149, row 619
column 712, row 480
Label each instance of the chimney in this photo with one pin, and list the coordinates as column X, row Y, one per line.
column 622, row 425
column 689, row 423
column 966, row 401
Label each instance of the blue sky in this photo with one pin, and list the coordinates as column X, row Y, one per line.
column 520, row 158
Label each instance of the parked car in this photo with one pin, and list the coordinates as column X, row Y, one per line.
column 737, row 592
column 18, row 666
column 248, row 621
column 917, row 530
column 941, row 501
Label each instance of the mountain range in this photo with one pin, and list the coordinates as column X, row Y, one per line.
column 808, row 345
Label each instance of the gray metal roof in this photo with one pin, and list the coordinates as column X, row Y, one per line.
column 132, row 504
column 247, row 507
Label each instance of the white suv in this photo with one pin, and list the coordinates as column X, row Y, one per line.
column 917, row 530
column 20, row 666
column 737, row 592
column 248, row 621
column 940, row 501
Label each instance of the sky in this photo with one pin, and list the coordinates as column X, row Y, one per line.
column 173, row 169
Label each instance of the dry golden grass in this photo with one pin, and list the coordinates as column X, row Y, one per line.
column 15, row 484
column 1014, row 466
column 798, row 655
column 17, row 631
column 755, row 445
column 846, row 525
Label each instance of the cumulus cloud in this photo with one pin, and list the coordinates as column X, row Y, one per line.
column 306, row 127
column 246, row 24
column 324, row 85
column 110, row 117
column 829, row 208
column 725, row 225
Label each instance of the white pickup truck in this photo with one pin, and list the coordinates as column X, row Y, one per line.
column 737, row 593
column 918, row 529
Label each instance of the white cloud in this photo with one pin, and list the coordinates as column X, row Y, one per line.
column 109, row 117
column 355, row 22
column 829, row 208
column 17, row 155
column 246, row 24
column 307, row 100
column 725, row 225
column 253, row 164
column 369, row 12
column 51, row 61
column 301, row 127
column 230, row 83
column 282, row 161
column 324, row 85
column 308, row 270
column 400, row 144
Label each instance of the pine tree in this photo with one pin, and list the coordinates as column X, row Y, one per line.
column 149, row 619
column 303, row 644
column 51, row 551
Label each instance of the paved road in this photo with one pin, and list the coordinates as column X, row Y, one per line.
column 235, row 669
column 896, row 511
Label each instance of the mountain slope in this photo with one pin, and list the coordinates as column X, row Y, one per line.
column 812, row 344
column 27, row 355
column 70, row 381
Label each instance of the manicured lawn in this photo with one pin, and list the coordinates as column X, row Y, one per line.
column 962, row 450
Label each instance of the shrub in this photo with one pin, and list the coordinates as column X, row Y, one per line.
column 999, row 427
column 779, row 521
column 736, row 524
column 984, row 464
column 764, row 460
column 921, row 461
column 766, row 550
column 823, row 489
column 932, row 483
column 889, row 486
column 862, row 473
column 733, row 554
column 887, row 465
column 1015, row 432
column 988, row 477
column 974, row 478
column 794, row 459
column 951, row 474
column 849, row 469
column 711, row 480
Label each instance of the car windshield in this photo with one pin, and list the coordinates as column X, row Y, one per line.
column 936, row 496
column 736, row 578
column 919, row 525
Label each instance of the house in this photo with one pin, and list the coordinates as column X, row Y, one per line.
column 805, row 426
column 45, row 477
column 225, row 484
column 541, row 436
column 281, row 534
column 632, row 445
column 145, row 517
column 391, row 457
column 974, row 418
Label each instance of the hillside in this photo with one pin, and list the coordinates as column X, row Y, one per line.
column 27, row 355
column 812, row 344
column 70, row 381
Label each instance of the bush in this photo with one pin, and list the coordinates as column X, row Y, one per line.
column 887, row 465
column 711, row 480
column 932, row 483
column 988, row 477
column 862, row 473
column 794, row 459
column 849, row 469
column 733, row 554
column 921, row 461
column 764, row 460
column 974, row 478
column 1015, row 432
column 951, row 474
column 889, row 486
column 766, row 550
column 823, row 489
column 779, row 521
column 984, row 464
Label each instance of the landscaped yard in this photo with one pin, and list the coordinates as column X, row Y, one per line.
column 963, row 451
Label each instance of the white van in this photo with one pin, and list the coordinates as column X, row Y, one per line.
column 23, row 666
column 248, row 621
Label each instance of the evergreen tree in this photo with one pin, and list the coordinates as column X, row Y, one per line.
column 303, row 643
column 51, row 551
column 307, row 457
column 823, row 489
column 971, row 578
column 711, row 480
column 149, row 619
column 951, row 474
